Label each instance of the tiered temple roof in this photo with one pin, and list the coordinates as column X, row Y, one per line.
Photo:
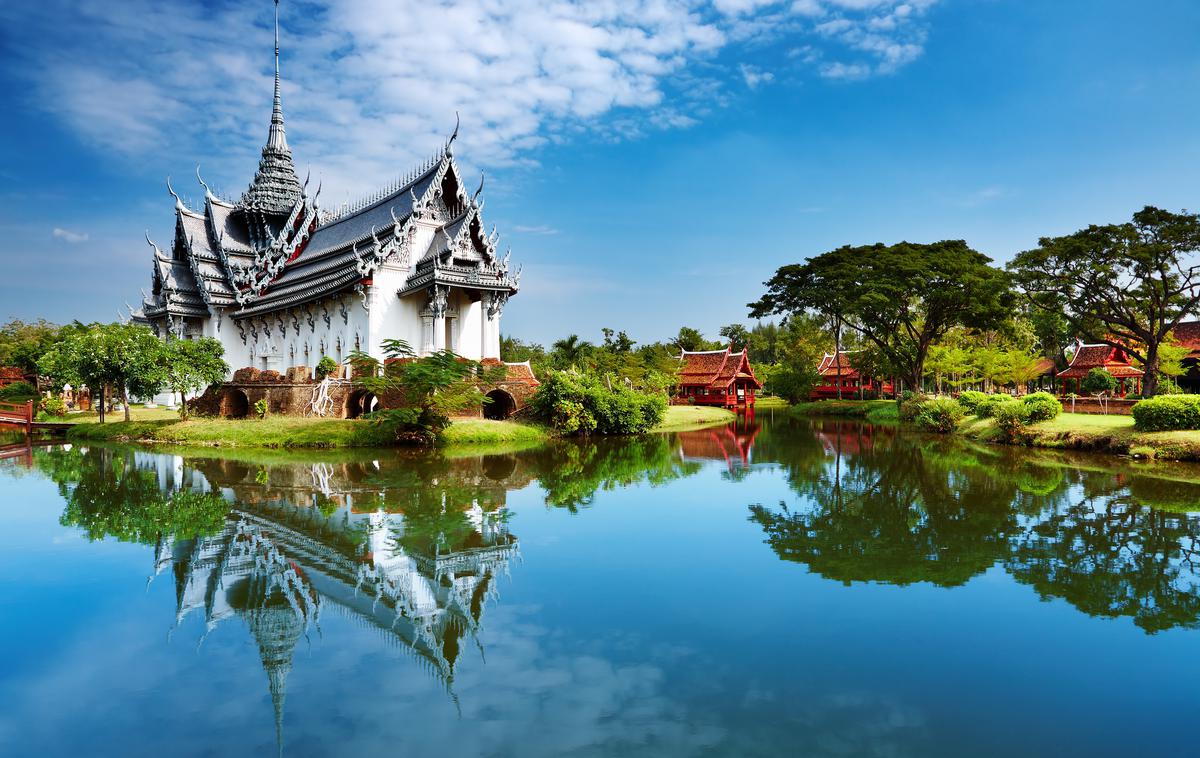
column 275, row 248
column 1087, row 357
column 715, row 369
column 840, row 364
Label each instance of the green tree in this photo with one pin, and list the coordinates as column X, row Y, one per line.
column 22, row 343
column 691, row 340
column 192, row 365
column 738, row 335
column 1126, row 285
column 126, row 357
column 900, row 298
column 570, row 351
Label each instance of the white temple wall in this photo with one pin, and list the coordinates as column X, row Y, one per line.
column 392, row 317
column 467, row 328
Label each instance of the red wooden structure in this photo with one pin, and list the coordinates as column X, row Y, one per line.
column 1114, row 360
column 18, row 414
column 717, row 377
column 838, row 371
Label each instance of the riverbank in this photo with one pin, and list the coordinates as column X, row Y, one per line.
column 1112, row 434
column 165, row 427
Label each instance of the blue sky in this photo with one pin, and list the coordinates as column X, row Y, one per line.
column 650, row 162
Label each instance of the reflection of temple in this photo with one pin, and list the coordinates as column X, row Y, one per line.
column 280, row 567
column 732, row 443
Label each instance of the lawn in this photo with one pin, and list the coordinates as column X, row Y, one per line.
column 1084, row 431
column 682, row 418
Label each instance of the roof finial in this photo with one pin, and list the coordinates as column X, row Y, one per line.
column 178, row 202
column 476, row 195
column 277, row 138
column 454, row 135
column 208, row 195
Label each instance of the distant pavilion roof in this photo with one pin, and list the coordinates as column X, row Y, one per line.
column 1112, row 359
column 716, row 369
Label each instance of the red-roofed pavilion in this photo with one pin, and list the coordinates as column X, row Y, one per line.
column 1114, row 360
column 838, row 371
column 717, row 377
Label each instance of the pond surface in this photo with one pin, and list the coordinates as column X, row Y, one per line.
column 775, row 587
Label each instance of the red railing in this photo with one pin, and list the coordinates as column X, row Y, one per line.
column 19, row 414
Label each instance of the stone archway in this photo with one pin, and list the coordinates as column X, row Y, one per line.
column 235, row 404
column 361, row 403
column 502, row 406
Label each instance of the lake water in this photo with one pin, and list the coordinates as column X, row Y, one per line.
column 775, row 587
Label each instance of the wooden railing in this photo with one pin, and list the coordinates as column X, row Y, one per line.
column 20, row 414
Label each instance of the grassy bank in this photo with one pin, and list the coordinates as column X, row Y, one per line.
column 1106, row 434
column 290, row 432
column 874, row 411
column 681, row 418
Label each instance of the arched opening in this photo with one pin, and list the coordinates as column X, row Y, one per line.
column 501, row 407
column 361, row 403
column 235, row 404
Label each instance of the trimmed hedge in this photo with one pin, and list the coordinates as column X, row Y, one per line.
column 18, row 392
column 986, row 408
column 1166, row 413
column 575, row 404
column 1042, row 406
column 970, row 399
column 940, row 415
column 1011, row 419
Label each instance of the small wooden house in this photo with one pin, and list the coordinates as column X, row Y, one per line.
column 717, row 377
column 838, row 372
column 1114, row 360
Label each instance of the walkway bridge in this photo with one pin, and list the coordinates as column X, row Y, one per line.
column 20, row 416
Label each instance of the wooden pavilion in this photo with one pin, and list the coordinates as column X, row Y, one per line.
column 1114, row 360
column 838, row 372
column 717, row 377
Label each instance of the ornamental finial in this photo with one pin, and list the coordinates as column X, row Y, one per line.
column 478, row 191
column 208, row 195
column 178, row 202
column 454, row 134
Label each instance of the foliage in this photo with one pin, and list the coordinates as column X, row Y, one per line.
column 122, row 356
column 18, row 392
column 1098, row 382
column 970, row 399
column 987, row 407
column 1041, row 406
column 580, row 404
column 53, row 406
column 1167, row 412
column 940, row 414
column 736, row 335
column 326, row 366
column 692, row 340
column 900, row 298
column 910, row 408
column 1124, row 284
column 22, row 343
column 192, row 365
column 1168, row 386
column 261, row 408
column 422, row 392
column 1011, row 419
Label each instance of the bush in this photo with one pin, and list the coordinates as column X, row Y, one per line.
column 261, row 408
column 940, row 415
column 986, row 408
column 326, row 366
column 575, row 404
column 53, row 406
column 1041, row 406
column 1011, row 419
column 970, row 399
column 1167, row 412
column 1098, row 382
column 18, row 392
column 1168, row 386
column 910, row 408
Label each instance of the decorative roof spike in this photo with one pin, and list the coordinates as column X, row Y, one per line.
column 178, row 202
column 453, row 135
column 208, row 195
column 478, row 191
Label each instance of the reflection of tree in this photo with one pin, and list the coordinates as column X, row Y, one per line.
column 895, row 512
column 1110, row 556
column 108, row 496
column 573, row 471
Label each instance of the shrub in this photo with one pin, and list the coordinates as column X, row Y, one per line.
column 1167, row 412
column 909, row 409
column 986, row 408
column 1041, row 406
column 53, row 406
column 326, row 366
column 1098, row 382
column 261, row 408
column 1168, row 386
column 970, row 399
column 18, row 392
column 576, row 404
column 940, row 415
column 1011, row 419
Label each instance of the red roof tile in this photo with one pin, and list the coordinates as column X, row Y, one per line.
column 1088, row 357
column 715, row 368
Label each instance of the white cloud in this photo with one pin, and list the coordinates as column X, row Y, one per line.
column 371, row 86
column 537, row 229
column 69, row 236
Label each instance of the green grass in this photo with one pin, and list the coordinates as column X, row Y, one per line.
column 477, row 431
column 770, row 403
column 682, row 418
column 136, row 413
column 845, row 408
column 1084, row 431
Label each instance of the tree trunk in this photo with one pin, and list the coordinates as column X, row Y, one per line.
column 125, row 400
column 183, row 414
column 837, row 354
column 101, row 406
column 1150, row 378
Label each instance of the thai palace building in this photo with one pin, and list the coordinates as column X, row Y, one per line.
column 281, row 281
column 716, row 377
column 838, row 372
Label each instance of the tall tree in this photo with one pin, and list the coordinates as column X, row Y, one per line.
column 126, row 357
column 1126, row 285
column 899, row 298
column 689, row 339
column 737, row 335
column 192, row 365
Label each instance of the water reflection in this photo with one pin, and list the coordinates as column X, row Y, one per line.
column 876, row 505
